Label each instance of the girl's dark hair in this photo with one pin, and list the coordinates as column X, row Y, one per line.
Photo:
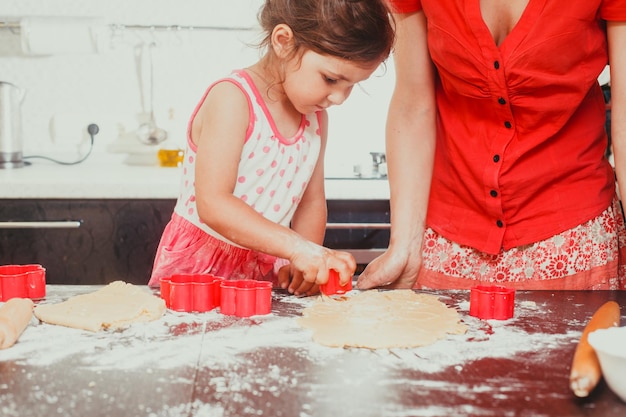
column 356, row 30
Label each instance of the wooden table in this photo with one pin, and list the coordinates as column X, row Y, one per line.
column 214, row 365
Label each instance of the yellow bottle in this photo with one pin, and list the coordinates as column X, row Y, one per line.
column 171, row 157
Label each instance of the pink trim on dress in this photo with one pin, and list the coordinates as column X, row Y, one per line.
column 251, row 120
column 287, row 141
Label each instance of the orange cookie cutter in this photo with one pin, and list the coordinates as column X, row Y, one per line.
column 245, row 298
column 191, row 292
column 492, row 302
column 22, row 281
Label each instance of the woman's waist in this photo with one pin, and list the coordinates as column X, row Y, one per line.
column 490, row 221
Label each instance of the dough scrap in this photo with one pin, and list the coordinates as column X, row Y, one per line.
column 381, row 320
column 112, row 307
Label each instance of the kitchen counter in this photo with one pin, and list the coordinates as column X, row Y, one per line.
column 109, row 177
column 214, row 365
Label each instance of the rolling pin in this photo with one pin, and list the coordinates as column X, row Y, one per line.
column 15, row 315
column 586, row 372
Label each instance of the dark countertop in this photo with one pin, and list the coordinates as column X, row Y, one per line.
column 214, row 365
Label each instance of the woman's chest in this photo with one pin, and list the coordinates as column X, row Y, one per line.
column 501, row 16
column 474, row 41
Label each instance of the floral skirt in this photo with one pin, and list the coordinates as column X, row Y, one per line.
column 589, row 256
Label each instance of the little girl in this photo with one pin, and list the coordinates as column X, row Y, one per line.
column 252, row 203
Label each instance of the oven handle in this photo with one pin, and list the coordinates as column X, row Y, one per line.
column 53, row 224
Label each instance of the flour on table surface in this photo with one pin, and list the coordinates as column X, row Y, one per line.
column 184, row 410
column 228, row 350
column 43, row 344
column 223, row 339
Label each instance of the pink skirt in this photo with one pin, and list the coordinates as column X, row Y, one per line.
column 186, row 249
column 590, row 256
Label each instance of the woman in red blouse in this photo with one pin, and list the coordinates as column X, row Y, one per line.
column 496, row 146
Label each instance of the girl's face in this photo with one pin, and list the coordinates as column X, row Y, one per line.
column 315, row 82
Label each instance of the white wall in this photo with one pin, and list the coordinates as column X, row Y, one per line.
column 66, row 92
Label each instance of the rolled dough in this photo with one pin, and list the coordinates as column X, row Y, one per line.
column 114, row 306
column 381, row 320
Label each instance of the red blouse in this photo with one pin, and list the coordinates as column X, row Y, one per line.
column 520, row 132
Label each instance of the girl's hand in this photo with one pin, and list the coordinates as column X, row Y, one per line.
column 293, row 282
column 310, row 264
column 392, row 269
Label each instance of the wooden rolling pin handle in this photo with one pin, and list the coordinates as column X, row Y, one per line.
column 15, row 315
column 586, row 372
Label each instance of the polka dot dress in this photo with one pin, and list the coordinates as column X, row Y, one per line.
column 273, row 171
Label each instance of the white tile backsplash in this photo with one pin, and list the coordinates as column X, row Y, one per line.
column 64, row 93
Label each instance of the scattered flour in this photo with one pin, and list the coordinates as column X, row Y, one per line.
column 214, row 339
column 229, row 350
column 184, row 410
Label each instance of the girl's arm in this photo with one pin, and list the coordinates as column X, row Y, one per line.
column 309, row 220
column 219, row 131
column 410, row 147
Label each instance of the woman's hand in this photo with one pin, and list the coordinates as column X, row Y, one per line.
column 392, row 269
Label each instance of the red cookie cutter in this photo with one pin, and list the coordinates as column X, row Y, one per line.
column 245, row 298
column 332, row 286
column 191, row 292
column 22, row 281
column 492, row 302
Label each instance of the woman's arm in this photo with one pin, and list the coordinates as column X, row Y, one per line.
column 616, row 32
column 410, row 146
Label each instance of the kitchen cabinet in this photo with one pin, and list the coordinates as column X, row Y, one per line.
column 90, row 242
column 97, row 241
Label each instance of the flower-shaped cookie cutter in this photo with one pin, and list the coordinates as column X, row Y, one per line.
column 191, row 292
column 22, row 281
column 332, row 286
column 492, row 302
column 245, row 298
